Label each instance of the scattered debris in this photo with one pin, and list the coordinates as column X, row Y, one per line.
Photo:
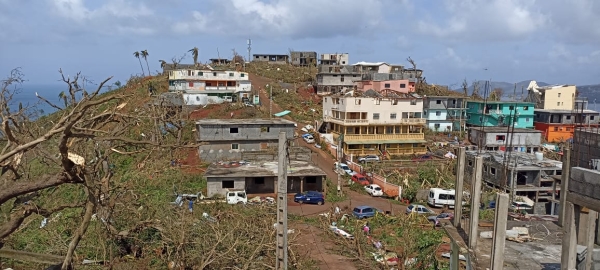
column 341, row 232
column 460, row 257
column 44, row 222
column 208, row 217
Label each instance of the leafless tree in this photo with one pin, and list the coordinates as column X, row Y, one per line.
column 465, row 87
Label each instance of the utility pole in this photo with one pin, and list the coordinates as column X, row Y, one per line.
column 249, row 49
column 270, row 101
column 339, row 159
column 282, row 209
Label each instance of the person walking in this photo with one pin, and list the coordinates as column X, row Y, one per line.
column 191, row 206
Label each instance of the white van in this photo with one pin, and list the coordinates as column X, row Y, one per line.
column 439, row 197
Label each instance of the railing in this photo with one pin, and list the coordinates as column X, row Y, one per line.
column 413, row 120
column 347, row 121
column 408, row 136
column 221, row 88
column 416, row 121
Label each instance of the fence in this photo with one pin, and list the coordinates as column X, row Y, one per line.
column 391, row 190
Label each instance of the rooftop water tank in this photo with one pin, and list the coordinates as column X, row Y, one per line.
column 539, row 156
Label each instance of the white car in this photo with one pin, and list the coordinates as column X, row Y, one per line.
column 344, row 167
column 308, row 138
column 374, row 190
column 368, row 158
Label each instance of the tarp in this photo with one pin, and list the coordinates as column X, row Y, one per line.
column 284, row 113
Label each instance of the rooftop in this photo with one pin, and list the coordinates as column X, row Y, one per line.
column 505, row 130
column 261, row 169
column 362, row 63
column 223, row 122
column 386, row 93
column 565, row 111
column 501, row 102
column 520, row 160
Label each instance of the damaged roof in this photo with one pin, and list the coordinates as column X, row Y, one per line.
column 261, row 169
column 520, row 160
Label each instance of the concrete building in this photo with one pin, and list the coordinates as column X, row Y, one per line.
column 333, row 79
column 500, row 113
column 303, row 59
column 373, row 123
column 219, row 61
column 559, row 125
column 271, row 58
column 552, row 97
column 227, row 139
column 206, row 86
column 586, row 148
column 499, row 138
column 519, row 174
column 445, row 113
column 261, row 177
column 335, row 59
column 401, row 86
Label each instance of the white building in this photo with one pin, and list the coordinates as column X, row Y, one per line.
column 204, row 86
column 374, row 123
column 334, row 59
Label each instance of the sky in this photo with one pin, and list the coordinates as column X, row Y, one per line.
column 554, row 41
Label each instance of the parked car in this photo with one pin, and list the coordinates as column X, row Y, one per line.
column 423, row 158
column 313, row 197
column 360, row 179
column 419, row 209
column 439, row 197
column 440, row 216
column 374, row 190
column 308, row 138
column 368, row 158
column 344, row 167
column 365, row 211
column 520, row 206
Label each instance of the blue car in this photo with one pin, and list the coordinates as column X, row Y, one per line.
column 365, row 211
column 313, row 197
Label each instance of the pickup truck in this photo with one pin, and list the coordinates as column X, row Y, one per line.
column 231, row 197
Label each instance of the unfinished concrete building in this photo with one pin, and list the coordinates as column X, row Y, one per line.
column 303, row 59
column 586, row 148
column 502, row 138
column 333, row 79
column 519, row 174
column 271, row 58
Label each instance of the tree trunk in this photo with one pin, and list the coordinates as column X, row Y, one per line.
column 143, row 72
column 147, row 66
column 90, row 208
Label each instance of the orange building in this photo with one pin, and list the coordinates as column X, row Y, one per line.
column 559, row 125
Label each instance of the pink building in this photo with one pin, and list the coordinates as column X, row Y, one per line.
column 403, row 86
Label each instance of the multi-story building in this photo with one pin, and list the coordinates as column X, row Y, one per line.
column 226, row 139
column 552, row 97
column 559, row 125
column 336, row 78
column 445, row 113
column 303, row 59
column 502, row 138
column 500, row 113
column 586, row 148
column 205, row 86
column 334, row 59
column 271, row 58
column 518, row 174
column 376, row 123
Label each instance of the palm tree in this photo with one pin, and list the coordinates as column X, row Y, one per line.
column 163, row 63
column 145, row 55
column 194, row 52
column 137, row 55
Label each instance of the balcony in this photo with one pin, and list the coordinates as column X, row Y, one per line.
column 366, row 122
column 374, row 137
column 413, row 120
column 220, row 88
column 348, row 122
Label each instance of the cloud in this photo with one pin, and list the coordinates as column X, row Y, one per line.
column 485, row 20
column 458, row 61
column 285, row 18
column 575, row 21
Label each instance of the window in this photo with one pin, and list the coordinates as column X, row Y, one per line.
column 438, row 113
column 568, row 117
column 558, row 103
column 436, row 126
column 233, row 130
column 413, row 102
column 230, row 74
column 402, row 85
column 525, row 108
column 377, row 101
column 493, row 171
column 214, row 74
column 235, row 146
column 392, row 115
column 357, row 101
column 259, row 181
column 243, row 75
column 511, row 107
column 558, row 94
column 265, row 129
column 471, row 163
column 438, row 102
column 227, row 184
column 200, row 73
column 592, row 117
column 395, row 102
column 342, row 78
column 197, row 98
column 376, row 116
column 526, row 119
column 500, row 137
column 387, row 85
column 568, row 129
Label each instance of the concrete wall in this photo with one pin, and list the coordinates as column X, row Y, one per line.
column 395, row 85
column 260, row 184
column 560, row 98
column 585, row 182
column 207, row 75
column 586, row 146
column 525, row 139
column 224, row 150
column 295, row 153
column 271, row 58
column 341, row 58
column 385, row 108
column 442, row 102
column 567, row 117
column 440, row 126
column 303, row 58
column 216, row 186
column 244, row 132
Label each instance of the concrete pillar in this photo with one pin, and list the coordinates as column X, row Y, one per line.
column 458, row 186
column 301, row 184
column 591, row 229
column 476, row 199
column 564, row 184
column 499, row 236
column 568, row 259
column 454, row 256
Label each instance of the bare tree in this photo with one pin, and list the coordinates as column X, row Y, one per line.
column 476, row 88
column 496, row 94
column 465, row 87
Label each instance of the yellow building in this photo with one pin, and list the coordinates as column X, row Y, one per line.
column 374, row 123
column 552, row 97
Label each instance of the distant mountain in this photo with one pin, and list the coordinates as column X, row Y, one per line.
column 507, row 88
column 589, row 91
